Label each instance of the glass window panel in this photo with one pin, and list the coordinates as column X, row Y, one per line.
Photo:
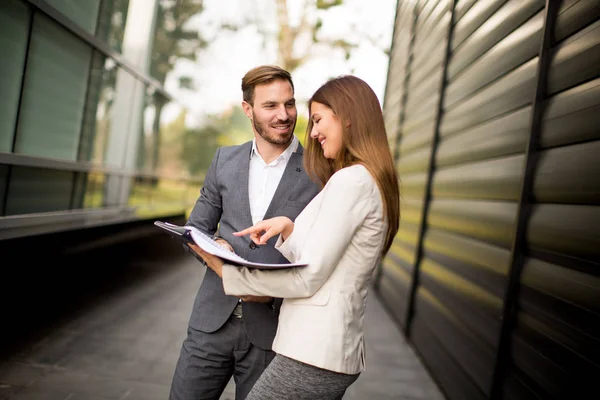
column 35, row 190
column 178, row 149
column 111, row 23
column 94, row 191
column 14, row 29
column 83, row 12
column 155, row 197
column 79, row 190
column 115, row 190
column 99, row 125
column 89, row 190
column 123, row 135
column 54, row 92
column 3, row 183
column 147, row 135
column 170, row 120
column 97, row 106
column 139, row 195
column 198, row 145
column 169, row 145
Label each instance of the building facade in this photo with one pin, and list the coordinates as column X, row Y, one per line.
column 83, row 136
column 493, row 112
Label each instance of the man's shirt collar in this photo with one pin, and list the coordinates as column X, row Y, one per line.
column 287, row 153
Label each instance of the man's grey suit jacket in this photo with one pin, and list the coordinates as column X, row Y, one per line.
column 224, row 205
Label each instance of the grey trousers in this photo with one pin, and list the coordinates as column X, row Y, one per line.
column 287, row 379
column 209, row 360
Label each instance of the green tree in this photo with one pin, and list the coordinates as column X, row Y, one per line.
column 199, row 144
column 289, row 55
column 173, row 41
column 292, row 34
column 300, row 131
column 198, row 148
column 229, row 128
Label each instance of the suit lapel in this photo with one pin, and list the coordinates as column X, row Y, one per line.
column 243, row 174
column 288, row 180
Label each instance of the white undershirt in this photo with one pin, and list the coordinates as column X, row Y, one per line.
column 264, row 179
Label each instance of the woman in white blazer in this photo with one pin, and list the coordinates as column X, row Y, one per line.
column 342, row 234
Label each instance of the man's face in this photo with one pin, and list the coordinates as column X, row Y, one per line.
column 274, row 113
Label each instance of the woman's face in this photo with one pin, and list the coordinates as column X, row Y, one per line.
column 327, row 129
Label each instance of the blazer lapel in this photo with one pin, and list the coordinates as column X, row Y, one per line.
column 288, row 180
column 243, row 174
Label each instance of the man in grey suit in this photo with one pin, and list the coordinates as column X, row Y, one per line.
column 260, row 179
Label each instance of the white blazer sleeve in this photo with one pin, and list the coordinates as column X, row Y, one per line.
column 345, row 205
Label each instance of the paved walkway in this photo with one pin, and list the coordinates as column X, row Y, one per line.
column 125, row 343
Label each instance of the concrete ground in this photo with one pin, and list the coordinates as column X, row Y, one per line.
column 123, row 344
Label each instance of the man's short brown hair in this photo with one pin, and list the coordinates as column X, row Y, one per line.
column 261, row 75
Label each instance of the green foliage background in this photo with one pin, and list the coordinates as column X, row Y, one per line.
column 195, row 147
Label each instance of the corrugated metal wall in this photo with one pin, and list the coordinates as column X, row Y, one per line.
column 493, row 111
column 395, row 274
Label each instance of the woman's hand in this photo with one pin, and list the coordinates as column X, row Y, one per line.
column 266, row 229
column 213, row 262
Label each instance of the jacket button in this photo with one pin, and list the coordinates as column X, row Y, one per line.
column 252, row 246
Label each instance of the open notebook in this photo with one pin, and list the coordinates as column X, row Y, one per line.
column 190, row 234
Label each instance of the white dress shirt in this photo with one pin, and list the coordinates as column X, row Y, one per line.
column 264, row 178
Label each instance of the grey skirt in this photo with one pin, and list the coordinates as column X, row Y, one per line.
column 287, row 379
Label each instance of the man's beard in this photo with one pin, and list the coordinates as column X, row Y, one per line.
column 273, row 139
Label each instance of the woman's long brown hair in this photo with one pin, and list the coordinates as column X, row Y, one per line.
column 364, row 141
